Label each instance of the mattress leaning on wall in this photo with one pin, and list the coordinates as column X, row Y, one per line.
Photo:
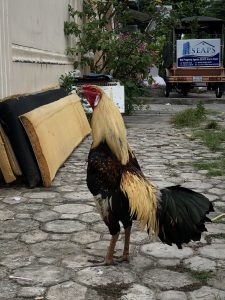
column 54, row 130
column 10, row 110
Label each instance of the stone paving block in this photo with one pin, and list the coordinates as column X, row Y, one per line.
column 73, row 208
column 63, row 226
column 41, row 275
column 85, row 237
column 216, row 191
column 139, row 237
column 36, row 201
column 66, row 188
column 218, row 281
column 8, row 236
column 29, row 208
column 169, row 262
column 216, row 251
column 3, row 272
column 197, row 184
column 166, row 279
column 172, row 295
column 2, row 206
column 19, row 226
column 100, row 227
column 11, row 246
column 69, row 216
column 16, row 199
column 160, row 250
column 198, row 263
column 77, row 261
column 16, row 260
column 31, row 292
column 207, row 293
column 220, row 204
column 99, row 248
column 23, row 216
column 6, row 215
column 44, row 216
column 59, row 236
column 33, row 236
column 10, row 192
column 8, row 289
column 41, row 195
column 54, row 248
column 47, row 260
column 78, row 196
column 105, row 276
column 90, row 217
column 220, row 264
column 139, row 263
column 215, row 228
column 138, row 292
column 67, row 291
column 211, row 197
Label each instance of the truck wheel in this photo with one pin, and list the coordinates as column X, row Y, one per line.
column 166, row 93
column 219, row 93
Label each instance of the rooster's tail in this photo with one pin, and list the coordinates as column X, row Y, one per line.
column 182, row 215
column 176, row 214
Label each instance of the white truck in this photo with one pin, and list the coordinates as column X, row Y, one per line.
column 195, row 56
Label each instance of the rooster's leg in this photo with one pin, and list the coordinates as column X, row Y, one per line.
column 109, row 255
column 111, row 249
column 125, row 256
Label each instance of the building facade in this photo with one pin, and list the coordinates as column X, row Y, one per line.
column 33, row 44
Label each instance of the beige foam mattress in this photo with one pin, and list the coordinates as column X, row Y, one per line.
column 54, row 131
column 8, row 162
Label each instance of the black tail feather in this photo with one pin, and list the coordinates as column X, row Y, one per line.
column 181, row 215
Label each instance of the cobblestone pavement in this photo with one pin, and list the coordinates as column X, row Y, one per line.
column 48, row 235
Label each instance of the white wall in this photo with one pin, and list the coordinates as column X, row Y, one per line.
column 32, row 44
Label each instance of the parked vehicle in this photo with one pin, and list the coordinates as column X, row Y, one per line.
column 195, row 56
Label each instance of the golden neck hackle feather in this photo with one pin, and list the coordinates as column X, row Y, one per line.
column 108, row 125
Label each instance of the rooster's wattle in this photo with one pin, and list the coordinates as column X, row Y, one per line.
column 121, row 191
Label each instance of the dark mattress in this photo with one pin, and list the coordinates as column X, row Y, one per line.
column 10, row 110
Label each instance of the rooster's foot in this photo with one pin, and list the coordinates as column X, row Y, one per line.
column 103, row 263
column 123, row 258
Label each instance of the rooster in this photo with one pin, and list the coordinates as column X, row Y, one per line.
column 122, row 193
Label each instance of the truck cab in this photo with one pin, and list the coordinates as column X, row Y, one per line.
column 194, row 56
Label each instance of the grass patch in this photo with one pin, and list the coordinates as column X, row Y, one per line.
column 191, row 117
column 219, row 221
column 212, row 125
column 202, row 275
column 211, row 135
column 211, row 138
column 215, row 167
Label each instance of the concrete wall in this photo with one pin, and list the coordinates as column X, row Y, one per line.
column 32, row 44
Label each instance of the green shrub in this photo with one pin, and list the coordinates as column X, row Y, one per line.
column 191, row 117
column 132, row 92
column 66, row 81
